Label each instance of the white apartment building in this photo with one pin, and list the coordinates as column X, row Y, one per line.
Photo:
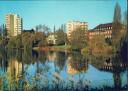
column 13, row 25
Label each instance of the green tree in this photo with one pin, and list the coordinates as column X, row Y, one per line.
column 54, row 29
column 124, row 46
column 117, row 32
column 0, row 30
column 61, row 36
column 0, row 40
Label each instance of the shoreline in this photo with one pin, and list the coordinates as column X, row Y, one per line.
column 54, row 48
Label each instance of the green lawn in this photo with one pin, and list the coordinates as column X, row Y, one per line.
column 61, row 47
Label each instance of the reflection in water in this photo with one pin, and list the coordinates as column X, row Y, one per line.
column 59, row 59
column 14, row 73
column 3, row 60
column 52, row 56
column 117, row 80
column 76, row 63
column 32, row 70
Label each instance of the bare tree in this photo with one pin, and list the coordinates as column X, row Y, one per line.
column 43, row 28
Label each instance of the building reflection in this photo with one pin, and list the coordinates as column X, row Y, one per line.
column 116, row 70
column 76, row 64
column 14, row 70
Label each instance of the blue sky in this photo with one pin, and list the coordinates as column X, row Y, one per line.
column 57, row 12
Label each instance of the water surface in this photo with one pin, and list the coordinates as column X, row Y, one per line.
column 20, row 70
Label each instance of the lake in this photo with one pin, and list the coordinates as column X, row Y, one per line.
column 59, row 71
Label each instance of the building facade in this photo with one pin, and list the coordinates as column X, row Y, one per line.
column 52, row 39
column 102, row 29
column 13, row 25
column 72, row 25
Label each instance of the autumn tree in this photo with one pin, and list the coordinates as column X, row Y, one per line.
column 78, row 38
column 39, row 39
column 98, row 46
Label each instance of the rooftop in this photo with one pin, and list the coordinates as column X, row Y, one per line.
column 103, row 25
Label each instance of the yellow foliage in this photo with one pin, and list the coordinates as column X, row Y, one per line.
column 98, row 46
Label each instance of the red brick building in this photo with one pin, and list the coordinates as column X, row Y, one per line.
column 102, row 29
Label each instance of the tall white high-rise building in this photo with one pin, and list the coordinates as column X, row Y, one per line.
column 72, row 25
column 13, row 25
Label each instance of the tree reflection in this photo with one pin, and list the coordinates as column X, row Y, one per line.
column 77, row 63
column 115, row 66
column 48, row 67
column 3, row 59
column 117, row 81
column 59, row 59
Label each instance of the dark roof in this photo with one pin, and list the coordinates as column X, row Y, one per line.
column 31, row 31
column 103, row 25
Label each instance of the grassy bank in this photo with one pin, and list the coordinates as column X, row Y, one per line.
column 61, row 48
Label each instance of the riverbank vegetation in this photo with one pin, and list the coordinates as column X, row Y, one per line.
column 100, row 47
column 117, row 46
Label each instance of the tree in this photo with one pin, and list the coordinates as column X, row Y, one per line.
column 18, row 41
column 61, row 36
column 124, row 47
column 126, row 25
column 54, row 29
column 63, row 27
column 98, row 45
column 78, row 38
column 39, row 39
column 12, row 42
column 3, row 31
column 27, row 40
column 0, row 30
column 117, row 27
column 43, row 28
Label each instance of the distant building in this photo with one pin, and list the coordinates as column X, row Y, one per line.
column 52, row 39
column 102, row 29
column 29, row 31
column 13, row 25
column 72, row 25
